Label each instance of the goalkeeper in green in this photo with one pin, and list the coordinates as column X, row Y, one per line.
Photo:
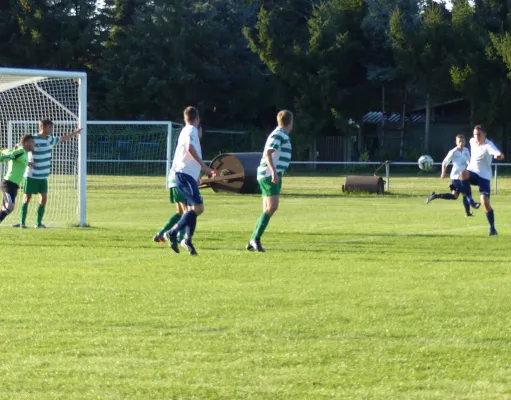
column 18, row 163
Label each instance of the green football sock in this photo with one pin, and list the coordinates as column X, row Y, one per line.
column 23, row 213
column 181, row 235
column 40, row 213
column 261, row 225
column 173, row 220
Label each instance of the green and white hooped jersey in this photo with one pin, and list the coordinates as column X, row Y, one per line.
column 42, row 156
column 280, row 142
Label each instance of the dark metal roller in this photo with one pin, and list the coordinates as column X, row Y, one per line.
column 370, row 184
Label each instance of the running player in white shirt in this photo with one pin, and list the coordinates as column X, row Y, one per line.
column 478, row 172
column 460, row 157
column 187, row 167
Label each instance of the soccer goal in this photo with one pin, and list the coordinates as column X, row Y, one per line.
column 27, row 96
column 122, row 150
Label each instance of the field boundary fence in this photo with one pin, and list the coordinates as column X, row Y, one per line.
column 388, row 164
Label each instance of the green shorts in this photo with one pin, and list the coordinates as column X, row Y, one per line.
column 35, row 186
column 268, row 188
column 176, row 196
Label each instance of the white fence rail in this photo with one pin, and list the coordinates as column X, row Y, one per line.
column 388, row 164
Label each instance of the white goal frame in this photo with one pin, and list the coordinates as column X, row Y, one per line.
column 35, row 75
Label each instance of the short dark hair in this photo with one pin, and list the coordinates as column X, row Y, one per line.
column 284, row 117
column 25, row 138
column 190, row 114
column 460, row 136
column 480, row 128
column 43, row 123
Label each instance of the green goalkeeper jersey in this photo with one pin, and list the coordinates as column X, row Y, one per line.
column 18, row 162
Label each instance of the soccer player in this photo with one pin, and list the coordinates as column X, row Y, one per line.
column 175, row 198
column 187, row 166
column 36, row 178
column 478, row 172
column 275, row 161
column 460, row 157
column 18, row 163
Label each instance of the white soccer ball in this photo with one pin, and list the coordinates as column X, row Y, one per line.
column 425, row 162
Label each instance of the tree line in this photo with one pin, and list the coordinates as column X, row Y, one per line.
column 241, row 60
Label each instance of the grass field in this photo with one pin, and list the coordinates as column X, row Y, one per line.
column 357, row 297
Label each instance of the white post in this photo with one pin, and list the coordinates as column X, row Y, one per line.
column 169, row 150
column 387, row 176
column 496, row 180
column 9, row 135
column 82, row 152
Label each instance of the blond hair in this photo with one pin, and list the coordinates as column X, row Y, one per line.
column 190, row 114
column 284, row 118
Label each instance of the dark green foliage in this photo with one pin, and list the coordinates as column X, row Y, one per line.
column 240, row 61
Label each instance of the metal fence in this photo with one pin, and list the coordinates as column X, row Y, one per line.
column 389, row 164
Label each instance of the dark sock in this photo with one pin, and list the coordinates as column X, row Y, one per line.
column 40, row 213
column 467, row 191
column 190, row 229
column 446, row 196
column 260, row 227
column 173, row 220
column 185, row 220
column 466, row 204
column 23, row 213
column 491, row 219
column 3, row 214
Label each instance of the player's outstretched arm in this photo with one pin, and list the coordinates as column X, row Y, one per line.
column 447, row 160
column 494, row 151
column 8, row 155
column 65, row 138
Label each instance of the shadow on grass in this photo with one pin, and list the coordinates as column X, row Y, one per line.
column 353, row 195
column 370, row 236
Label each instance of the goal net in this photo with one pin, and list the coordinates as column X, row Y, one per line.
column 119, row 151
column 27, row 96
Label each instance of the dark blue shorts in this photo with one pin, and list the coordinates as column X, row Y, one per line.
column 189, row 189
column 484, row 184
column 455, row 185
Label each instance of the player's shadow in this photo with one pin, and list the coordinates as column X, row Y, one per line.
column 353, row 195
column 371, row 236
column 311, row 195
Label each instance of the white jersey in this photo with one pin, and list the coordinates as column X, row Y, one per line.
column 171, row 180
column 482, row 155
column 183, row 160
column 459, row 159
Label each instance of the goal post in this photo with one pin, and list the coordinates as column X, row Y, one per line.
column 29, row 95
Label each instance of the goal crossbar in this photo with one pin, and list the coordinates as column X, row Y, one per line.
column 52, row 87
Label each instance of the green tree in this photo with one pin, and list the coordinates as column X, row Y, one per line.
column 493, row 18
column 11, row 50
column 315, row 52
column 422, row 54
column 164, row 55
column 383, row 71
